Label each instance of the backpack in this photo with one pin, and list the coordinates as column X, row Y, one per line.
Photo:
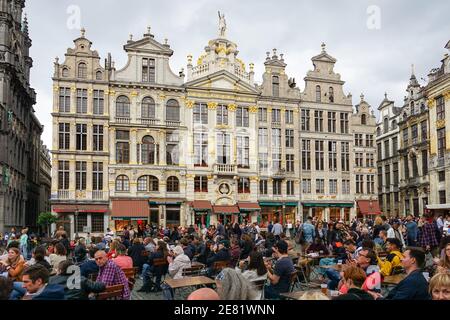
column 300, row 237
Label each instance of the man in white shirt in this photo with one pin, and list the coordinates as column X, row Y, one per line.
column 277, row 229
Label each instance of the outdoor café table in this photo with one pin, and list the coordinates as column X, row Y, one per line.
column 197, row 264
column 189, row 282
column 393, row 280
column 296, row 295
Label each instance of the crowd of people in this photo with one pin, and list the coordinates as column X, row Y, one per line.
column 351, row 260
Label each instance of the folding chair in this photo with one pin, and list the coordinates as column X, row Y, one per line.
column 259, row 285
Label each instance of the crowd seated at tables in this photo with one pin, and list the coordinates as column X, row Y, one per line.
column 389, row 259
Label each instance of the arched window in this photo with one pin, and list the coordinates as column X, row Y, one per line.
column 386, row 125
column 122, row 183
column 149, row 151
column 394, row 124
column 82, row 70
column 363, row 119
column 148, row 108
column 123, row 107
column 99, row 75
column 148, row 183
column 378, row 131
column 172, row 110
column 276, row 86
column 331, row 94
column 65, row 72
column 173, row 184
column 413, row 111
column 318, row 94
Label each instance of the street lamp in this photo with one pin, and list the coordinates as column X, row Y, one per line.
column 76, row 223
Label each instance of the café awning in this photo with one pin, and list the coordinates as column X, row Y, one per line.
column 327, row 204
column 130, row 209
column 201, row 205
column 226, row 209
column 82, row 208
column 442, row 206
column 367, row 207
column 248, row 206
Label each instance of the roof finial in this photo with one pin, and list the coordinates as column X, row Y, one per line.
column 412, row 69
column 25, row 24
column 385, row 95
column 166, row 41
column 323, row 46
column 83, row 32
column 131, row 37
column 281, row 56
column 274, row 54
column 268, row 55
column 362, row 97
column 149, row 29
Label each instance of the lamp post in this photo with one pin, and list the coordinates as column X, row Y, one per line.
column 76, row 223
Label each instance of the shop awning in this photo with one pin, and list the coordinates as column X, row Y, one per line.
column 130, row 209
column 225, row 209
column 248, row 206
column 368, row 207
column 201, row 205
column 270, row 204
column 82, row 208
column 328, row 204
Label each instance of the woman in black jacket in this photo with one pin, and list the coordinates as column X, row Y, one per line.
column 67, row 279
column 135, row 252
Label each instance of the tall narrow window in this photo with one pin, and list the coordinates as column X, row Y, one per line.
column 172, row 148
column 97, row 138
column 318, row 94
column 172, row 110
column 290, row 187
column 81, row 135
column 320, row 186
column 64, row 100
column 123, row 107
column 305, row 118
column 424, row 162
column 97, row 176
column 276, row 86
column 122, row 146
column 263, row 187
column 414, row 134
column 80, row 175
column 345, row 153
column 289, row 163
column 242, row 117
column 423, row 130
column 344, row 122
column 385, row 125
column 201, row 114
column 122, row 183
column 319, row 155
column 201, row 184
column 64, row 136
column 98, row 75
column 63, row 175
column 306, row 155
column 262, row 114
column 394, row 146
column 289, row 115
column 441, row 145
column 263, row 162
column 201, row 149
column 262, row 137
column 333, row 186
column 243, row 152
column 276, row 116
column 387, row 175
column 440, row 108
column 222, row 115
column 244, row 185
column 99, row 102
column 148, row 70
column 359, row 183
column 289, row 138
column 318, row 121
column 332, row 155
column 331, row 94
column 406, row 167
column 306, row 186
column 82, row 101
column 173, row 184
column 82, row 70
column 331, row 121
column 223, row 148
column 148, row 108
column 395, row 173
column 149, row 151
column 276, row 187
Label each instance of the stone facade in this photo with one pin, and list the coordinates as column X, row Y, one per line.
column 20, row 130
column 145, row 145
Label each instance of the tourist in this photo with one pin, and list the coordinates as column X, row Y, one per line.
column 149, row 244
column 440, row 286
column 393, row 262
column 221, row 252
column 253, row 268
column 443, row 265
column 354, row 278
column 246, row 246
column 65, row 278
column 122, row 260
column 231, row 285
column 136, row 252
column 6, row 288
column 394, row 232
column 14, row 264
column 308, row 232
column 24, row 243
column 277, row 229
column 411, row 231
column 414, row 286
column 80, row 252
column 321, row 232
column 177, row 264
column 57, row 257
column 280, row 276
column 204, row 294
column 235, row 252
column 39, row 256
column 89, row 267
column 149, row 270
column 427, row 236
column 318, row 246
column 35, row 282
column 110, row 274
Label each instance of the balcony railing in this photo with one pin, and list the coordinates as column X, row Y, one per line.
column 63, row 194
column 170, row 123
column 99, row 195
column 225, row 168
column 125, row 120
column 148, row 121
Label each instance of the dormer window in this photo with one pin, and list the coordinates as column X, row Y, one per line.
column 331, row 94
column 318, row 94
column 148, row 70
column 82, row 70
column 363, row 119
column 385, row 125
column 98, row 75
column 276, row 86
column 65, row 73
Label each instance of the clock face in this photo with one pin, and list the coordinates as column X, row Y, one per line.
column 224, row 188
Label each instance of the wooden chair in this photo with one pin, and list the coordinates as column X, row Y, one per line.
column 131, row 274
column 111, row 293
column 220, row 265
column 259, row 286
column 192, row 271
column 293, row 281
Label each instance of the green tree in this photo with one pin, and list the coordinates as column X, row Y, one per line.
column 45, row 219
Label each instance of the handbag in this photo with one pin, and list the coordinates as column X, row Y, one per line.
column 299, row 238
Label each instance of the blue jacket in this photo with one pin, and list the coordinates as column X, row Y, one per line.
column 88, row 267
column 412, row 230
column 309, row 232
column 413, row 287
column 51, row 292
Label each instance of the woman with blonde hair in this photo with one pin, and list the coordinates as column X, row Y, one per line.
column 440, row 286
column 443, row 265
column 14, row 264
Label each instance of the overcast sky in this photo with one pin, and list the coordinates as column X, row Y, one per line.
column 373, row 55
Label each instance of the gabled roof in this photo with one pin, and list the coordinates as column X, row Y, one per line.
column 148, row 44
column 207, row 82
column 325, row 57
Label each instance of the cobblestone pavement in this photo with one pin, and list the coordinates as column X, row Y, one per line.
column 135, row 295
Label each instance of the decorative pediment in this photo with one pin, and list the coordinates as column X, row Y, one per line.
column 148, row 45
column 324, row 57
column 222, row 80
